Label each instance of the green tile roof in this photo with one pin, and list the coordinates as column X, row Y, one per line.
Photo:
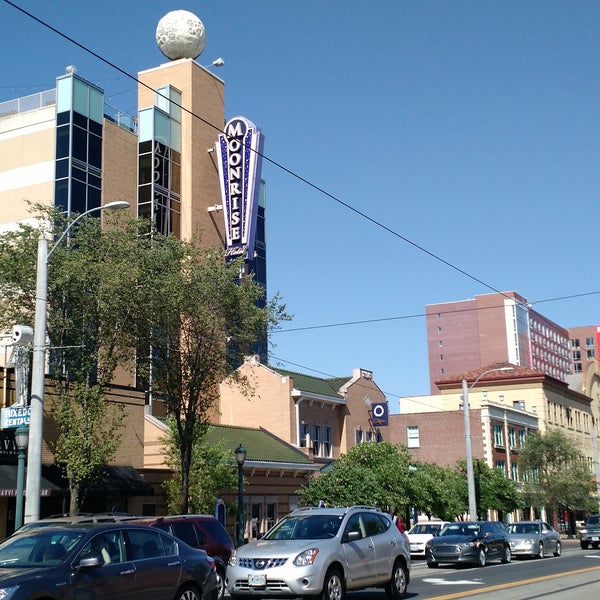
column 314, row 385
column 261, row 446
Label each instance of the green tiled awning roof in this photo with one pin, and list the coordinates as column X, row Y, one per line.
column 261, row 446
column 314, row 385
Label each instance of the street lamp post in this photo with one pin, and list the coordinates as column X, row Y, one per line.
column 21, row 439
column 36, row 418
column 469, row 451
column 240, row 457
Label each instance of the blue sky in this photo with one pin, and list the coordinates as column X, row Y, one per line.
column 470, row 129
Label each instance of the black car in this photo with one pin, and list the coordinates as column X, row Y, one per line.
column 116, row 561
column 474, row 542
column 199, row 531
column 589, row 534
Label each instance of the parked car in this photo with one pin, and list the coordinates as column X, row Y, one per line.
column 533, row 538
column 323, row 552
column 113, row 560
column 474, row 542
column 590, row 532
column 420, row 533
column 199, row 531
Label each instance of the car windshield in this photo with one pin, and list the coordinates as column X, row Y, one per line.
column 42, row 548
column 463, row 529
column 305, row 527
column 523, row 528
column 594, row 520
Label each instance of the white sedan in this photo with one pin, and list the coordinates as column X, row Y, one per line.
column 420, row 533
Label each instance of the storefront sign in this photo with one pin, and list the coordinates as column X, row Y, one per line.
column 379, row 414
column 239, row 153
column 14, row 416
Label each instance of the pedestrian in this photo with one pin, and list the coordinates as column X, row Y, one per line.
column 400, row 524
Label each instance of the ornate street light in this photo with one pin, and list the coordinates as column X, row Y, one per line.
column 21, row 439
column 240, row 457
column 38, row 372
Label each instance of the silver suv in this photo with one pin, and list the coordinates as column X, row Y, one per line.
column 590, row 532
column 323, row 552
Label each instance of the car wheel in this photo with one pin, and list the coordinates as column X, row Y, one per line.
column 584, row 545
column 220, row 584
column 396, row 586
column 333, row 586
column 188, row 593
column 507, row 555
column 540, row 553
column 481, row 558
column 558, row 550
column 432, row 564
column 595, row 546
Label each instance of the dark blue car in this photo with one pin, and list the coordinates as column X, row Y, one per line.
column 94, row 561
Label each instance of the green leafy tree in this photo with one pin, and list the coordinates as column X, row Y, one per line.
column 555, row 472
column 493, row 489
column 213, row 468
column 91, row 299
column 371, row 473
column 437, row 491
column 207, row 318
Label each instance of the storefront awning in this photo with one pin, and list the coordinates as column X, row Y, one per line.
column 8, row 483
column 119, row 481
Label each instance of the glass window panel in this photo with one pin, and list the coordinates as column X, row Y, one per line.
column 78, row 197
column 80, row 120
column 63, row 118
column 62, row 168
column 176, row 178
column 62, row 141
column 162, row 98
column 95, row 181
column 145, row 193
column 175, row 136
column 145, row 210
column 161, row 127
column 96, row 128
column 61, row 195
column 79, row 144
column 80, row 97
column 146, row 125
column 145, row 169
column 94, row 198
column 95, row 151
column 79, row 174
column 64, row 94
column 145, row 147
column 96, row 111
column 175, row 107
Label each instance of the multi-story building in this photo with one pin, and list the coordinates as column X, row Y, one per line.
column 499, row 327
column 503, row 406
column 584, row 347
column 323, row 418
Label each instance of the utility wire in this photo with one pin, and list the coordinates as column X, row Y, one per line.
column 263, row 156
column 421, row 315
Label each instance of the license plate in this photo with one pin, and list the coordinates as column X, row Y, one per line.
column 257, row 580
column 595, row 538
column 414, row 547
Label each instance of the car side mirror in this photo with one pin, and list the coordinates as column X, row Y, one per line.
column 353, row 536
column 90, row 562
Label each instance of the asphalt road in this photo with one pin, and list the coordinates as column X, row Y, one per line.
column 576, row 573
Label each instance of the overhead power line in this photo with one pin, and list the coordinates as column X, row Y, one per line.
column 280, row 166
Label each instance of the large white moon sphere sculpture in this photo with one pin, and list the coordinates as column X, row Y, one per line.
column 180, row 34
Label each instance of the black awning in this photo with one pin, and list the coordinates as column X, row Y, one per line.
column 8, row 483
column 119, row 481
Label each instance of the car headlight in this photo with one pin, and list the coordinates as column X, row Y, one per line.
column 7, row 592
column 306, row 558
column 232, row 558
column 583, row 530
column 530, row 541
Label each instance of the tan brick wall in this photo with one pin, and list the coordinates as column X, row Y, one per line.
column 202, row 119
